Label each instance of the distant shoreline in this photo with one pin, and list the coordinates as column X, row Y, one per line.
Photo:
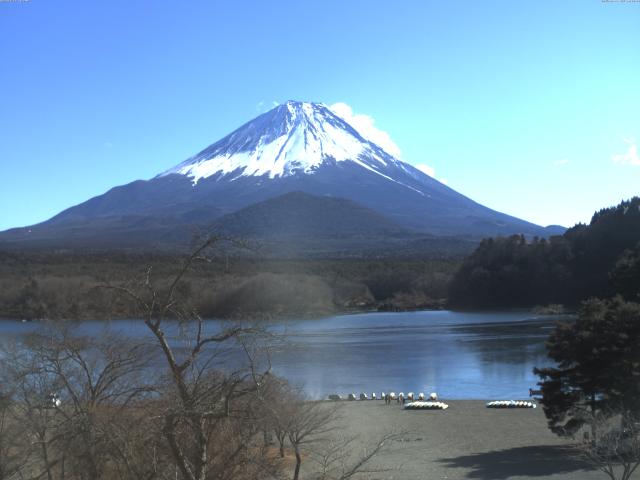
column 319, row 315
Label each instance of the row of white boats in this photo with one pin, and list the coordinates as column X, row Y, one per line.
column 511, row 404
column 391, row 396
column 412, row 402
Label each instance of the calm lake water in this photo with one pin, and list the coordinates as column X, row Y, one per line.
column 458, row 355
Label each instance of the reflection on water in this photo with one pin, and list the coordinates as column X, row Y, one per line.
column 459, row 355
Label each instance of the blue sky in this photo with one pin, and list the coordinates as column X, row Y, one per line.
column 531, row 108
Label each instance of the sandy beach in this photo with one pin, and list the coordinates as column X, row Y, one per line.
column 467, row 441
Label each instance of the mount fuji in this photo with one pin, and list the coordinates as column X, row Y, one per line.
column 297, row 147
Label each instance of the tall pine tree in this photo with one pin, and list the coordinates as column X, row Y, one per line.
column 598, row 366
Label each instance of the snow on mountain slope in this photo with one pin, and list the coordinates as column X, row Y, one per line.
column 293, row 138
column 295, row 147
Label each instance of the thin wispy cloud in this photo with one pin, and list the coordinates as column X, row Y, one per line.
column 630, row 157
column 424, row 168
column 365, row 125
column 561, row 162
column 262, row 106
column 428, row 170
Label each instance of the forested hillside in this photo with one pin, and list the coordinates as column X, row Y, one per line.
column 68, row 285
column 599, row 259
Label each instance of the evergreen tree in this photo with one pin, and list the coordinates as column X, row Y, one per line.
column 598, row 366
column 516, row 272
column 625, row 276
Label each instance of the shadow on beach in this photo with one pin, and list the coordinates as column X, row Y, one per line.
column 533, row 461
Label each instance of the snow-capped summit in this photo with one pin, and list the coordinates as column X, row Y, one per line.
column 305, row 157
column 293, row 138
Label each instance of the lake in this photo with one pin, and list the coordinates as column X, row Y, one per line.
column 459, row 355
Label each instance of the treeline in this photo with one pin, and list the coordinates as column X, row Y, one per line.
column 596, row 260
column 63, row 285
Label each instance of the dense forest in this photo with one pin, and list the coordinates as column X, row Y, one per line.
column 595, row 260
column 35, row 285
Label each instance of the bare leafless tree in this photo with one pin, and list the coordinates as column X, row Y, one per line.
column 276, row 397
column 197, row 402
column 205, row 402
column 616, row 449
column 76, row 398
column 14, row 449
column 30, row 389
column 309, row 424
column 335, row 458
column 99, row 380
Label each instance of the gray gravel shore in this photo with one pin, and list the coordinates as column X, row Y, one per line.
column 466, row 441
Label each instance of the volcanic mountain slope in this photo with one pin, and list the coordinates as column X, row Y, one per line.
column 297, row 224
column 300, row 215
column 295, row 147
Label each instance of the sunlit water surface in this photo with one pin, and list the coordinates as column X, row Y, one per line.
column 459, row 355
